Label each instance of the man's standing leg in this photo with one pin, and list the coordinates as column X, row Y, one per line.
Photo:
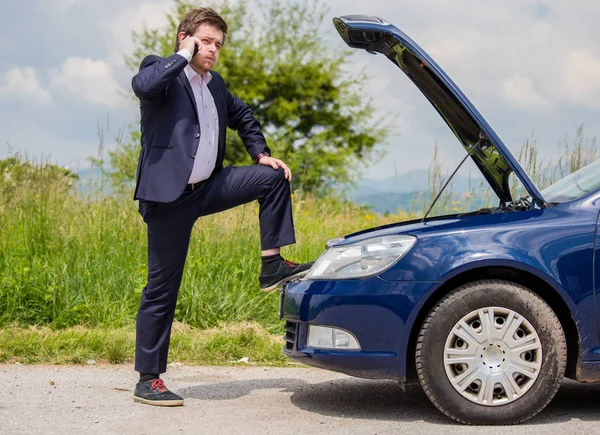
column 169, row 230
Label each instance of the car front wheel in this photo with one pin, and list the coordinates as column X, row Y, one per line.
column 491, row 352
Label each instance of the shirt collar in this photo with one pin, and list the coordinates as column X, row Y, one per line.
column 190, row 73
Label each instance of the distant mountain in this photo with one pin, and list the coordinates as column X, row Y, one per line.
column 90, row 174
column 389, row 202
column 90, row 179
column 416, row 202
column 415, row 181
column 409, row 191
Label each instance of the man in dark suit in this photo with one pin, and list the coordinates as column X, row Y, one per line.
column 185, row 111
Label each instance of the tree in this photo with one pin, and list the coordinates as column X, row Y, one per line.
column 281, row 66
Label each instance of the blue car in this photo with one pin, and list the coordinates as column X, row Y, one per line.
column 489, row 310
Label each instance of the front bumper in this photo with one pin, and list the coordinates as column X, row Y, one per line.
column 379, row 313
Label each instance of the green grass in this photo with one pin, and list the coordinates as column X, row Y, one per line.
column 190, row 346
column 68, row 260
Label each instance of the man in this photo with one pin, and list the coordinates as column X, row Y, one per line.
column 185, row 111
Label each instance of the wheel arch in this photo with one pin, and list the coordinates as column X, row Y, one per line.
column 518, row 276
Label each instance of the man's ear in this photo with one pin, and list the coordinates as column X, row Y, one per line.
column 181, row 36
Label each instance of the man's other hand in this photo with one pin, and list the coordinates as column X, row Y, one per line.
column 276, row 164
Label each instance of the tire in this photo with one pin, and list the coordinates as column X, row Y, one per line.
column 479, row 337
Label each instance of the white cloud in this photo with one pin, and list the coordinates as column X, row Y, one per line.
column 22, row 84
column 519, row 91
column 582, row 77
column 531, row 54
column 133, row 18
column 120, row 27
column 453, row 50
column 89, row 80
column 65, row 5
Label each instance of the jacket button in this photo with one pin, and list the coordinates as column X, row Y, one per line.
column 197, row 135
column 193, row 156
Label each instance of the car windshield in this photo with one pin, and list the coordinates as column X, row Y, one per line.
column 576, row 185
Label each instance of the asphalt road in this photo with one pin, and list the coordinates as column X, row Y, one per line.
column 250, row 400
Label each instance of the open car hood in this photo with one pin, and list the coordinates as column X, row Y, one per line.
column 479, row 140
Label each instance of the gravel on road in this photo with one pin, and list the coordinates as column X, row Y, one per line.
column 97, row 399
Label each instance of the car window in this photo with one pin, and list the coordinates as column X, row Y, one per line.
column 576, row 185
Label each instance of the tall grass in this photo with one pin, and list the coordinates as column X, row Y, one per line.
column 69, row 258
column 573, row 153
column 72, row 259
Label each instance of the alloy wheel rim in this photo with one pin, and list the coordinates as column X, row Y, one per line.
column 492, row 356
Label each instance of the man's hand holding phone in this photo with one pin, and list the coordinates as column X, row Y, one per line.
column 192, row 43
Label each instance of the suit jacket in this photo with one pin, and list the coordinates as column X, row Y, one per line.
column 170, row 128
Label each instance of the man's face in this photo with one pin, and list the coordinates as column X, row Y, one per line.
column 212, row 40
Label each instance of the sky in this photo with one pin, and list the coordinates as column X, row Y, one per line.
column 530, row 67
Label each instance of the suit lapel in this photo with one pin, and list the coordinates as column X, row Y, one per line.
column 188, row 88
column 220, row 102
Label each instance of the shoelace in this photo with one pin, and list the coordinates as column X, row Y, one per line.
column 159, row 385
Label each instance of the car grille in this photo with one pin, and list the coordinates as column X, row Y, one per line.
column 290, row 336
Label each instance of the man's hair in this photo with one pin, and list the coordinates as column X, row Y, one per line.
column 190, row 22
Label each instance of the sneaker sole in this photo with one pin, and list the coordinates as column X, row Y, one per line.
column 284, row 280
column 158, row 402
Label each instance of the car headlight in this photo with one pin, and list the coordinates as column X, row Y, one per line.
column 358, row 260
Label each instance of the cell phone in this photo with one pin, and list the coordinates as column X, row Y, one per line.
column 195, row 47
